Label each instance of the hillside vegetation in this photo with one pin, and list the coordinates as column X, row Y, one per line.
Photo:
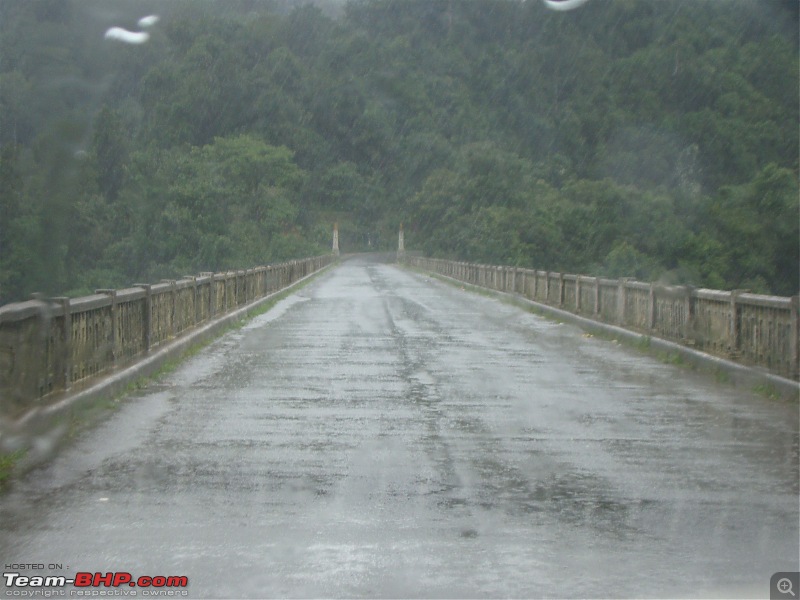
column 655, row 139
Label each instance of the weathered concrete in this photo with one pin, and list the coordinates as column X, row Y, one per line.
column 48, row 346
column 730, row 372
column 335, row 248
column 383, row 434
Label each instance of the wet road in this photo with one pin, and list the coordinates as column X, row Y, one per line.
column 382, row 434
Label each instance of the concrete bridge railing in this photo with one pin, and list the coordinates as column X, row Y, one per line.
column 752, row 329
column 49, row 345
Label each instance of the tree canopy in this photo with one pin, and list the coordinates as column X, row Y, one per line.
column 655, row 139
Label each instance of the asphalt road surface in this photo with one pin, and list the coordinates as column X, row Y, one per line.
column 382, row 434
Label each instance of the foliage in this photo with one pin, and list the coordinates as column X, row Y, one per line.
column 652, row 139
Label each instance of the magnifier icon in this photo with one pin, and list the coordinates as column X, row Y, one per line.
column 784, row 586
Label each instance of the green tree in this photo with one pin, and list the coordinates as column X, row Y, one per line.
column 758, row 226
column 109, row 152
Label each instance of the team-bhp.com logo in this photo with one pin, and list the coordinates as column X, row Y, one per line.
column 90, row 584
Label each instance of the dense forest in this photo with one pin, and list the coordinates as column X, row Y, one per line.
column 655, row 139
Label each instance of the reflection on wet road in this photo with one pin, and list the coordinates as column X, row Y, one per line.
column 384, row 434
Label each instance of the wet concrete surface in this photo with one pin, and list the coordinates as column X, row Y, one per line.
column 382, row 434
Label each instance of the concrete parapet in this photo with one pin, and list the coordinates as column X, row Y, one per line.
column 751, row 329
column 48, row 346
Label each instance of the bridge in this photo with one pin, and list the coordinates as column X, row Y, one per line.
column 385, row 432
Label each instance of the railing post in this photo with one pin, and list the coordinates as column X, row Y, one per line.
column 63, row 378
column 794, row 333
column 335, row 246
column 651, row 307
column 561, row 289
column 622, row 297
column 39, row 369
column 211, row 292
column 596, row 297
column 547, row 287
column 688, row 334
column 735, row 324
column 196, row 296
column 577, row 293
column 173, row 296
column 193, row 279
column 147, row 312
column 114, row 333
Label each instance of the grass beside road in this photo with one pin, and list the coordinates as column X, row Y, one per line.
column 7, row 463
